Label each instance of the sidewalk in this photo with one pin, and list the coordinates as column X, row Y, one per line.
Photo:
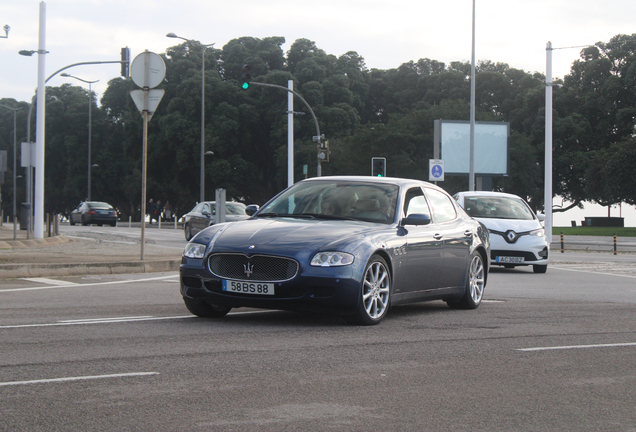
column 64, row 256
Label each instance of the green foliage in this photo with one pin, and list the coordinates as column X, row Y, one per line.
column 363, row 113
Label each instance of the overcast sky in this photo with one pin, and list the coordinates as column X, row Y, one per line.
column 385, row 33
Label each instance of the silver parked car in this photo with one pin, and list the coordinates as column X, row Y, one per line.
column 516, row 234
column 202, row 216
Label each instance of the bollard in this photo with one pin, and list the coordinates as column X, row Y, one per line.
column 614, row 244
column 562, row 248
column 159, row 222
column 129, row 221
column 175, row 222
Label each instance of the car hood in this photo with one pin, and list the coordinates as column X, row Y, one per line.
column 503, row 225
column 287, row 235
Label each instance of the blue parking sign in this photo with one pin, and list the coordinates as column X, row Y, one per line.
column 436, row 170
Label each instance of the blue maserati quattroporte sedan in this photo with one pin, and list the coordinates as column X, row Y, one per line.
column 354, row 246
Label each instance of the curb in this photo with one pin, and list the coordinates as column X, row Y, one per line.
column 11, row 271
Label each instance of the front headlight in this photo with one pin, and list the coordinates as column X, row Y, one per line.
column 538, row 233
column 331, row 259
column 194, row 250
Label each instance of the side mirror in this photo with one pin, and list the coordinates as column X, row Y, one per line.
column 541, row 217
column 416, row 219
column 251, row 209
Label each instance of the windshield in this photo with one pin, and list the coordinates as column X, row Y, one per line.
column 371, row 202
column 496, row 207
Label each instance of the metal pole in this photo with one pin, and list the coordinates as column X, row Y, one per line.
column 202, row 186
column 89, row 139
column 38, row 223
column 548, row 143
column 290, row 133
column 15, row 139
column 144, row 158
column 471, row 174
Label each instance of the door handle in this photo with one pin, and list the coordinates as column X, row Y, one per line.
column 468, row 233
column 438, row 236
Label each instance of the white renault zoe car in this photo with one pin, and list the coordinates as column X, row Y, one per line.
column 516, row 234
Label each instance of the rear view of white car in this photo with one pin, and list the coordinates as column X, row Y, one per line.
column 516, row 234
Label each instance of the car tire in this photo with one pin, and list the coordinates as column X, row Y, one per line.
column 188, row 232
column 114, row 224
column 70, row 221
column 375, row 294
column 205, row 310
column 475, row 284
column 83, row 221
column 537, row 268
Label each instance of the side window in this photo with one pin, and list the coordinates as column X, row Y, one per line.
column 415, row 202
column 443, row 207
column 205, row 208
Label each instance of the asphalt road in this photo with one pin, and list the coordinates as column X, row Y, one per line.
column 542, row 353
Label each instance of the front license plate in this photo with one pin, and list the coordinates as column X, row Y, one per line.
column 243, row 287
column 510, row 260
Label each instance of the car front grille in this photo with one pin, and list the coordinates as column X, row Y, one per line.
column 261, row 268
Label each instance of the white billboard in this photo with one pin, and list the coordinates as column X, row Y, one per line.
column 491, row 147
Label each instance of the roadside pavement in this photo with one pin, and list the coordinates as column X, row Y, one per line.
column 66, row 256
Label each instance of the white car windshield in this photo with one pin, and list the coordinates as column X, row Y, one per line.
column 496, row 207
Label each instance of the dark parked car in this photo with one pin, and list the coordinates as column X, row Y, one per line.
column 93, row 212
column 349, row 245
column 202, row 216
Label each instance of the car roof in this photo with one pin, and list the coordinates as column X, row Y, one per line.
column 488, row 193
column 371, row 179
column 226, row 202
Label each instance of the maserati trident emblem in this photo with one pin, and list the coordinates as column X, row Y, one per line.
column 249, row 269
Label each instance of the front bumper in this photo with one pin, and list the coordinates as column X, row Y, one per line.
column 534, row 250
column 331, row 290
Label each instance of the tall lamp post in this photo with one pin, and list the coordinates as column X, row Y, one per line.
column 14, row 152
column 203, row 47
column 90, row 103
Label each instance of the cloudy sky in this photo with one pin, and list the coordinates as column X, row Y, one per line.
column 385, row 33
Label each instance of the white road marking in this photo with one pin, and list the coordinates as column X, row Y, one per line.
column 592, row 272
column 78, row 285
column 120, row 320
column 565, row 347
column 49, row 281
column 78, row 378
column 103, row 319
column 96, row 321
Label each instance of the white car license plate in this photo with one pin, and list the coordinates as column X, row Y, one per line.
column 244, row 287
column 509, row 260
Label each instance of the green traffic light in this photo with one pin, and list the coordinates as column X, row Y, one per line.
column 246, row 85
column 379, row 175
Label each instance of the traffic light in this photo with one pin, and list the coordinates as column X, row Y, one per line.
column 246, row 77
column 378, row 167
column 125, row 62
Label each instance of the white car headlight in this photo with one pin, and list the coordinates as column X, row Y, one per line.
column 538, row 233
column 331, row 259
column 194, row 250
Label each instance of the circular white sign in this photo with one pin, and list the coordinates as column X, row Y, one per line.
column 147, row 70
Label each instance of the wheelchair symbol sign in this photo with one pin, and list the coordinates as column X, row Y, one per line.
column 436, row 170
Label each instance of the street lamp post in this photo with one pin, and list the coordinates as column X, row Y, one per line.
column 202, row 172
column 14, row 152
column 90, row 100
